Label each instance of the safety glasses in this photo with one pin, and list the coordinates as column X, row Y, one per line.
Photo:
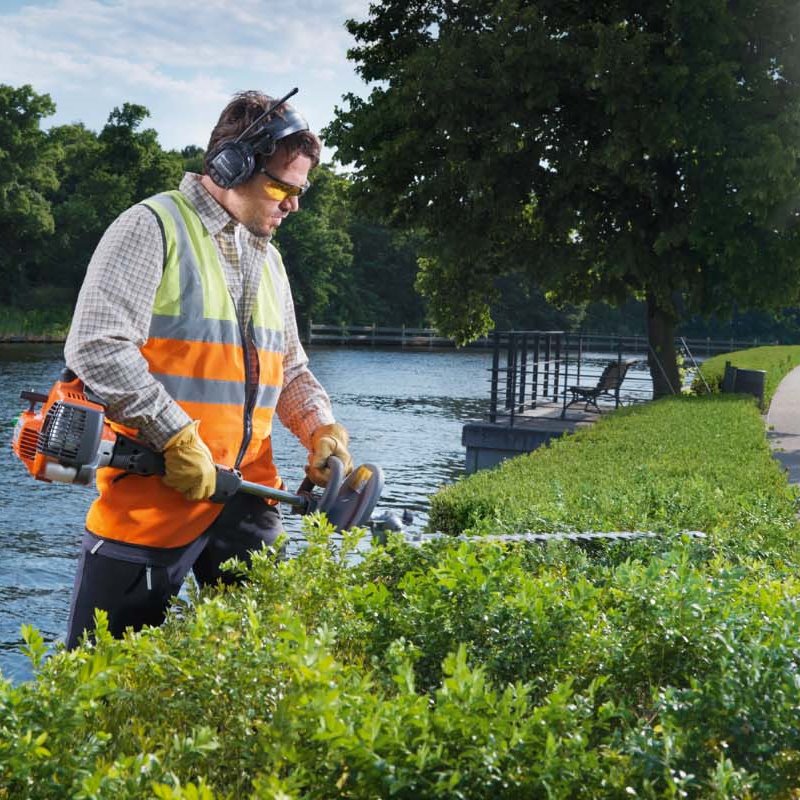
column 278, row 190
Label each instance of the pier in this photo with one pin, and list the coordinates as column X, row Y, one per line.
column 530, row 380
column 375, row 336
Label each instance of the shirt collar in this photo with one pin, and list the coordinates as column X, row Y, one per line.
column 213, row 216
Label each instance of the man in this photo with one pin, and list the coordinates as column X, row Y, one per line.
column 185, row 327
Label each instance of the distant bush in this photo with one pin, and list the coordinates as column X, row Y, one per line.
column 776, row 360
column 35, row 323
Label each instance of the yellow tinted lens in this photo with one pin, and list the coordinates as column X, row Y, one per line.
column 275, row 192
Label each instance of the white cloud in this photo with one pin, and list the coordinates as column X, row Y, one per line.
column 183, row 65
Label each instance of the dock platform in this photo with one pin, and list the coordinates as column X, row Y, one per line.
column 489, row 443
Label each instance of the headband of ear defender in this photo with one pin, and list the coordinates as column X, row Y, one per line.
column 234, row 162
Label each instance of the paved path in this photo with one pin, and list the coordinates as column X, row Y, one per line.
column 783, row 421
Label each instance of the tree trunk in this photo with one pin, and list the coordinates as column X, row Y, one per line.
column 661, row 357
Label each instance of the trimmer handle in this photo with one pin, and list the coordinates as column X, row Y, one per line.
column 324, row 501
column 136, row 458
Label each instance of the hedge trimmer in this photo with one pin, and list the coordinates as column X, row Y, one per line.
column 391, row 521
column 69, row 438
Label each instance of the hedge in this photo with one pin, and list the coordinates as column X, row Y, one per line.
column 468, row 669
column 777, row 360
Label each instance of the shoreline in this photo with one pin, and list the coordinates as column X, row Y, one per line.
column 31, row 339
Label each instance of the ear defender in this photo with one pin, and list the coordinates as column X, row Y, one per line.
column 234, row 162
column 231, row 164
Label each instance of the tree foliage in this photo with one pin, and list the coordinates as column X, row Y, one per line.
column 603, row 150
column 28, row 161
column 100, row 176
column 60, row 189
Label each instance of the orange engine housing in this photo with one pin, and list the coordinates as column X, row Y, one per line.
column 27, row 440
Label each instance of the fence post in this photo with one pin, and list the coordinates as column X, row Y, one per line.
column 535, row 381
column 619, row 367
column 566, row 374
column 494, row 378
column 523, row 370
column 373, row 334
column 310, row 331
column 403, row 336
column 546, row 384
column 512, row 371
column 511, row 357
column 557, row 371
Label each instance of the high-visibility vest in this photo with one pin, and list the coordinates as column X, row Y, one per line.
column 198, row 349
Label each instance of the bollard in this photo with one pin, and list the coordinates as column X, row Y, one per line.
column 751, row 381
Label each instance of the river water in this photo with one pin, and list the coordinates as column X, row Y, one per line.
column 404, row 409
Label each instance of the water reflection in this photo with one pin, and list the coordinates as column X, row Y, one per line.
column 450, row 407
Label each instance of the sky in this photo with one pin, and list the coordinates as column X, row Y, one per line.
column 182, row 61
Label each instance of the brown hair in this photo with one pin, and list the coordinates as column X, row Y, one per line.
column 240, row 113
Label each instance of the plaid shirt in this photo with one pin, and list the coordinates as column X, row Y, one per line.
column 112, row 321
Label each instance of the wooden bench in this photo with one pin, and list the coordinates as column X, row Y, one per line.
column 608, row 384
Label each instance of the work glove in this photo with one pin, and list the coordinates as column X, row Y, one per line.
column 327, row 440
column 188, row 464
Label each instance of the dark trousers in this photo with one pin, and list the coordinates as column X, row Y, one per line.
column 135, row 585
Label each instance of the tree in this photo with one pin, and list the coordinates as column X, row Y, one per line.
column 602, row 149
column 193, row 157
column 100, row 175
column 344, row 268
column 27, row 173
column 381, row 285
column 136, row 155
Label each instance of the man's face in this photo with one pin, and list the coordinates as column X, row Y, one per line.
column 253, row 204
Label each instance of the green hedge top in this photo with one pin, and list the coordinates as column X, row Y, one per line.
column 777, row 360
column 672, row 465
column 468, row 669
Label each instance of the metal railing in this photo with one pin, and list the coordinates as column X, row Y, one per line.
column 373, row 335
column 408, row 336
column 531, row 369
column 701, row 347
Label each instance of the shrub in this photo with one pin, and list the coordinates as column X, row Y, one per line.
column 35, row 323
column 673, row 465
column 777, row 361
column 467, row 668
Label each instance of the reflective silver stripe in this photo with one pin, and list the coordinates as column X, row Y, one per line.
column 202, row 390
column 149, row 574
column 192, row 306
column 267, row 396
column 220, row 331
column 206, row 390
column 97, row 546
column 268, row 339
